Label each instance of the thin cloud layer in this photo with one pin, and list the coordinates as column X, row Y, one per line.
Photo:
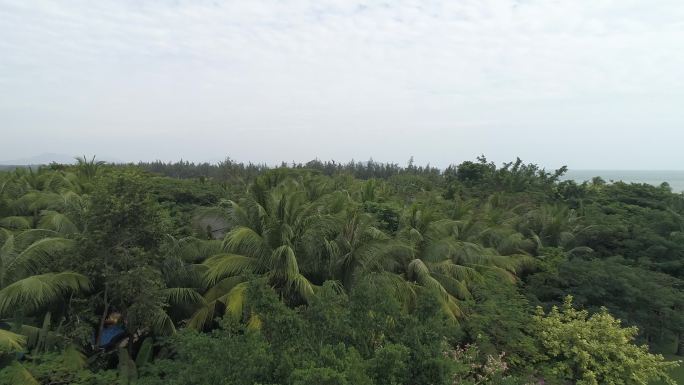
column 595, row 84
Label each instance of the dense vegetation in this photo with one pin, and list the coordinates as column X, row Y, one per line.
column 328, row 273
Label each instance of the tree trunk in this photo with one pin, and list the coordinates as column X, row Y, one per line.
column 680, row 344
column 102, row 319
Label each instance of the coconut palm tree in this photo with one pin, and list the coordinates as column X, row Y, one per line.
column 358, row 247
column 88, row 169
column 273, row 232
column 553, row 226
column 26, row 289
column 24, row 284
column 437, row 259
column 34, row 234
column 184, row 279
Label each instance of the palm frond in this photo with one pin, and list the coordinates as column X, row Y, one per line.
column 284, row 264
column 11, row 342
column 503, row 274
column 16, row 222
column 38, row 255
column 38, row 200
column 203, row 316
column 246, row 241
column 375, row 233
column 579, row 250
column 231, row 302
column 58, row 222
column 418, row 271
column 227, row 265
column 5, row 234
column 72, row 359
column 197, row 250
column 7, row 251
column 415, row 236
column 379, row 255
column 235, row 300
column 523, row 262
column 537, row 240
column 400, row 288
column 303, row 287
column 453, row 286
column 28, row 237
column 36, row 291
column 33, row 334
column 459, row 272
column 451, row 308
column 182, row 295
column 73, row 200
column 18, row 375
column 162, row 323
column 222, row 287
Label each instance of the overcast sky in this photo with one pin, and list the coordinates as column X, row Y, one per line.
column 591, row 84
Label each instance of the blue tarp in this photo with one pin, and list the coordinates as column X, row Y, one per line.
column 110, row 334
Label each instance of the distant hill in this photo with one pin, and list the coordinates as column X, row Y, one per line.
column 47, row 158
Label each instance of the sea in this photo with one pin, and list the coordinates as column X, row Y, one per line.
column 654, row 177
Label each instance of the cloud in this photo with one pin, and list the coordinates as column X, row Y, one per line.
column 440, row 79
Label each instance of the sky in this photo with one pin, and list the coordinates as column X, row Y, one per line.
column 593, row 84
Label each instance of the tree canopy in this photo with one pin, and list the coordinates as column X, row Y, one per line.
column 330, row 273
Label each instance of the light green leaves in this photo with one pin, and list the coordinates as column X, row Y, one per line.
column 10, row 342
column 596, row 349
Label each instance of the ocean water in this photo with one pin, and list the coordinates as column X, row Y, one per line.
column 653, row 177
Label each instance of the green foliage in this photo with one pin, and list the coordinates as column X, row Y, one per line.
column 390, row 364
column 334, row 365
column 651, row 300
column 128, row 372
column 16, row 374
column 53, row 368
column 328, row 273
column 596, row 349
column 145, row 353
column 220, row 357
column 122, row 213
column 323, row 343
column 500, row 322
